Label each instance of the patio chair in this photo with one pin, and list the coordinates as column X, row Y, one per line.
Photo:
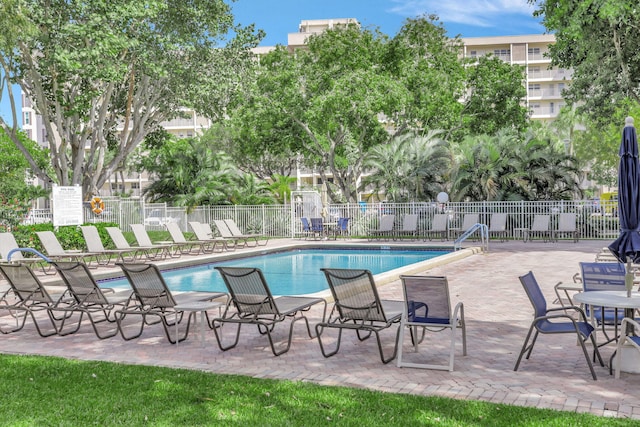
column 204, row 233
column 317, row 228
column 306, row 227
column 55, row 251
column 385, row 228
column 255, row 305
column 629, row 338
column 137, row 252
column 88, row 298
column 603, row 276
column 428, row 308
column 260, row 239
column 94, row 245
column 143, row 239
column 358, row 307
column 540, row 228
column 498, row 226
column 439, row 226
column 555, row 321
column 29, row 297
column 342, row 228
column 567, row 226
column 155, row 300
column 223, row 230
column 409, row 226
column 192, row 247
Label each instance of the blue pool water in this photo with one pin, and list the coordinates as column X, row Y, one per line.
column 294, row 272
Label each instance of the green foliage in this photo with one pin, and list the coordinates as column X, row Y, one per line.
column 99, row 393
column 599, row 40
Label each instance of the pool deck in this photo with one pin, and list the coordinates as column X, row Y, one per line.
column 498, row 315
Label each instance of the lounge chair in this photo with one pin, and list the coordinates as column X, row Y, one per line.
column 603, row 276
column 55, row 251
column 498, row 226
column 260, row 239
column 555, row 321
column 342, row 228
column 89, row 298
column 540, row 228
column 185, row 246
column 567, row 225
column 224, row 231
column 155, row 300
column 143, row 239
column 358, row 307
column 385, row 228
column 428, row 308
column 468, row 221
column 439, row 226
column 137, row 252
column 94, row 245
column 29, row 297
column 204, row 233
column 251, row 302
column 9, row 253
column 409, row 226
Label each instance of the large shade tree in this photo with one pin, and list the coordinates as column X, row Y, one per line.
column 103, row 75
column 599, row 40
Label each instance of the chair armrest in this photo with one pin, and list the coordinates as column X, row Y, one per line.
column 579, row 310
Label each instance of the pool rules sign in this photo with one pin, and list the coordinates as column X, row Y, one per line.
column 67, row 206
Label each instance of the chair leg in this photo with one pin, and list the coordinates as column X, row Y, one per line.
column 525, row 348
column 217, row 324
column 319, row 330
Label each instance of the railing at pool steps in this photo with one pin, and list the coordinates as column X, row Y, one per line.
column 484, row 236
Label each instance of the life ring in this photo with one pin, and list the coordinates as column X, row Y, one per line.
column 97, row 205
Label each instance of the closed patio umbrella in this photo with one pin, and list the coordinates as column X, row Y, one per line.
column 627, row 246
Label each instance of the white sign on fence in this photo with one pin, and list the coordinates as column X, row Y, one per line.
column 67, row 206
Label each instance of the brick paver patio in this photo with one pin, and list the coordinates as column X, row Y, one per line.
column 498, row 315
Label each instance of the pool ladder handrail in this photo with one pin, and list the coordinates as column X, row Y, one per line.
column 484, row 236
column 33, row 251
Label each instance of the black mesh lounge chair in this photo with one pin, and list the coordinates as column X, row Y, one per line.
column 555, row 321
column 260, row 239
column 90, row 299
column 155, row 300
column 358, row 307
column 429, row 309
column 255, row 305
column 29, row 297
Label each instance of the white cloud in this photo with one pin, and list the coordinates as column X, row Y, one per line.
column 480, row 13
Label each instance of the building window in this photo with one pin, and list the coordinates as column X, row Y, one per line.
column 551, row 108
column 473, row 53
column 135, row 185
column 534, row 51
column 502, row 52
column 27, row 117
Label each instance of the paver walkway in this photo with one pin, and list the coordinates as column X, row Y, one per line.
column 498, row 315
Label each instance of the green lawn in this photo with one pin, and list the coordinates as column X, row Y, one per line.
column 53, row 391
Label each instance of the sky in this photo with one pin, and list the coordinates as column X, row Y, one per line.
column 467, row 18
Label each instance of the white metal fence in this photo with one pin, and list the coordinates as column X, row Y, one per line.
column 595, row 220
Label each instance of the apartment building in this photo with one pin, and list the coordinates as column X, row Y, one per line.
column 544, row 83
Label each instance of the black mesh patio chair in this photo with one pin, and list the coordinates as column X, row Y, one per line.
column 358, row 307
column 555, row 321
column 29, row 297
column 251, row 302
column 154, row 301
column 428, row 308
column 88, row 298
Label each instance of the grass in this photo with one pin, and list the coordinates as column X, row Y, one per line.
column 54, row 391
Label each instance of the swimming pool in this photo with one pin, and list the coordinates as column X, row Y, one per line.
column 292, row 272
